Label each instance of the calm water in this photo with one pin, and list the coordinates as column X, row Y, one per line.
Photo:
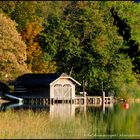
column 117, row 121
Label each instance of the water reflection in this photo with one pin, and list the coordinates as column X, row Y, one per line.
column 65, row 110
column 62, row 110
column 5, row 106
column 115, row 121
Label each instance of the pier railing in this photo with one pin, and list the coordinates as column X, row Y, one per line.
column 79, row 100
column 92, row 100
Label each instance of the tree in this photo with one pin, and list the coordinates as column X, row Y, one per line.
column 45, row 8
column 35, row 55
column 24, row 12
column 126, row 18
column 85, row 43
column 7, row 7
column 13, row 50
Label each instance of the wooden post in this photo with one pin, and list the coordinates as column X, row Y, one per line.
column 103, row 98
column 103, row 102
column 84, row 93
column 44, row 101
column 47, row 101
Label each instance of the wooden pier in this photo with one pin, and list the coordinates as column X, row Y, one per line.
column 79, row 100
column 93, row 100
column 88, row 100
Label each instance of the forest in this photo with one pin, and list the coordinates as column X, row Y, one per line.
column 93, row 41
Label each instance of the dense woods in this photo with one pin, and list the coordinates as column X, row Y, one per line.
column 94, row 41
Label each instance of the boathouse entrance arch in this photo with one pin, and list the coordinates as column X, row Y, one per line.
column 62, row 92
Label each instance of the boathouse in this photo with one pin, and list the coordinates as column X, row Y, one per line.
column 56, row 86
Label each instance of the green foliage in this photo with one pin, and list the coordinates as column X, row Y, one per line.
column 24, row 13
column 7, row 6
column 85, row 42
column 129, row 11
column 45, row 8
column 126, row 18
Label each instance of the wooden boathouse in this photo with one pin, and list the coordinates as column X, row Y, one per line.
column 49, row 87
column 53, row 88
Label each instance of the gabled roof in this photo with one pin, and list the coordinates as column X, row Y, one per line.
column 64, row 75
column 41, row 79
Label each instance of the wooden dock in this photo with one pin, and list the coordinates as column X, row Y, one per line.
column 93, row 100
column 79, row 100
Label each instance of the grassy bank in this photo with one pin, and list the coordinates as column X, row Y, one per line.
column 29, row 125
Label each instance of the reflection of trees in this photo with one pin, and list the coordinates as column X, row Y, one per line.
column 123, row 121
column 113, row 122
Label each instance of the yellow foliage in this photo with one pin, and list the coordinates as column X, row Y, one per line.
column 12, row 50
column 35, row 54
column 30, row 32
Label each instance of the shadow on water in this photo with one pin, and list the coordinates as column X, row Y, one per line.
column 59, row 110
column 22, row 106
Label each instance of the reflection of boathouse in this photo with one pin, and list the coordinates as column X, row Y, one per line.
column 45, row 86
column 62, row 110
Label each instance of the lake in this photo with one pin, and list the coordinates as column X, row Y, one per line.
column 69, row 121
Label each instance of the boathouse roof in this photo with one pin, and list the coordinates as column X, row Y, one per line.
column 42, row 79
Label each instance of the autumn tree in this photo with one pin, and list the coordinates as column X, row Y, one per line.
column 12, row 50
column 35, row 55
